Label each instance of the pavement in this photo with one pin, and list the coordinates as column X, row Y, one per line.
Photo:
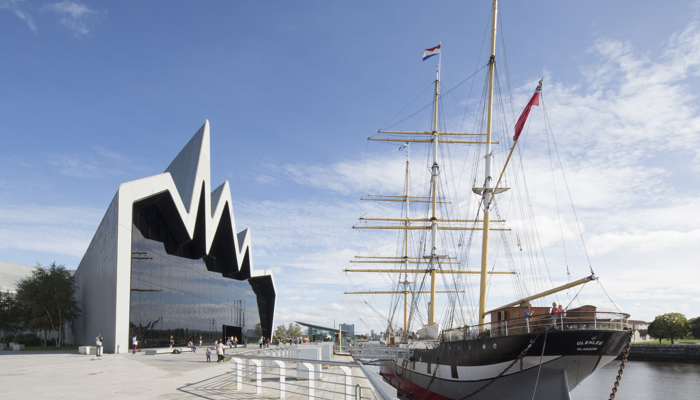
column 68, row 375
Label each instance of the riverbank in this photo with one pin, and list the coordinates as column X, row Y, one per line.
column 685, row 353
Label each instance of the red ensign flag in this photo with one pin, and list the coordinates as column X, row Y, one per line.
column 534, row 101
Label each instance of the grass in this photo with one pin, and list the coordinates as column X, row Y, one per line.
column 668, row 341
column 49, row 347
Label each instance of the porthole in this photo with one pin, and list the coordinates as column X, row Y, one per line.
column 483, row 346
column 495, row 345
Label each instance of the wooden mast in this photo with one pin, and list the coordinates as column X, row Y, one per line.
column 488, row 188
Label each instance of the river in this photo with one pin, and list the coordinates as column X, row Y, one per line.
column 643, row 381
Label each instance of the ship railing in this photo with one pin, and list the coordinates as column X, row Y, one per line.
column 571, row 320
column 373, row 351
column 299, row 378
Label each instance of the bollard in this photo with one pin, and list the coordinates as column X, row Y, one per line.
column 348, row 382
column 283, row 386
column 310, row 367
column 239, row 373
column 258, row 376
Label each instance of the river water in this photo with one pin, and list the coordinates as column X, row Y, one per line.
column 643, row 381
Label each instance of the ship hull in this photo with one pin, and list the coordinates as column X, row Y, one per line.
column 457, row 369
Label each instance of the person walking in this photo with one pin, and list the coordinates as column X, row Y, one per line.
column 98, row 343
column 134, row 342
column 200, row 341
column 219, row 351
column 208, row 355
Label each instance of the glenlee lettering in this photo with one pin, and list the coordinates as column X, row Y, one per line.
column 589, row 342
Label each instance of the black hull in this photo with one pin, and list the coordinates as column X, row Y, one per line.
column 459, row 368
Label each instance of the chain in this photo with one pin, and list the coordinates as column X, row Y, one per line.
column 437, row 366
column 622, row 366
column 519, row 358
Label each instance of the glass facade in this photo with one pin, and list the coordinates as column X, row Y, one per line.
column 173, row 293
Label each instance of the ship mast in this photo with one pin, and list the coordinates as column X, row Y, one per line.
column 433, row 220
column 487, row 192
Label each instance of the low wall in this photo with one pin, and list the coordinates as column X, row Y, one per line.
column 664, row 352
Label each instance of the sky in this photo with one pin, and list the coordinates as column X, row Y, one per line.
column 99, row 93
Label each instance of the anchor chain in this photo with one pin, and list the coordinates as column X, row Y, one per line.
column 622, row 366
column 437, row 366
column 519, row 358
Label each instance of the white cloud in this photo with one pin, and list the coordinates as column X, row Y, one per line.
column 12, row 5
column 74, row 15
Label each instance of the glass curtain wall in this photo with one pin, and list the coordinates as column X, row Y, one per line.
column 177, row 296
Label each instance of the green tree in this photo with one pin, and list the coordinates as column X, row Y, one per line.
column 294, row 330
column 48, row 296
column 669, row 326
column 11, row 312
column 280, row 332
column 694, row 324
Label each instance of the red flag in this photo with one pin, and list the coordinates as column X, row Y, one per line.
column 534, row 101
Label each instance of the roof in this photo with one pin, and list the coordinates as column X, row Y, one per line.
column 319, row 327
column 10, row 273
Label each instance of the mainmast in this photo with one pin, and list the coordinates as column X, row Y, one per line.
column 487, row 192
column 433, row 219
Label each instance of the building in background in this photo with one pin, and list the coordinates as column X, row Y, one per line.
column 167, row 261
column 318, row 333
column 348, row 327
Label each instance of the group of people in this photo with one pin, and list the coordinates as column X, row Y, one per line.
column 219, row 348
column 232, row 342
column 556, row 313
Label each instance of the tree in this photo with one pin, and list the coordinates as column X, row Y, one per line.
column 11, row 312
column 694, row 324
column 280, row 332
column 669, row 326
column 48, row 296
column 294, row 330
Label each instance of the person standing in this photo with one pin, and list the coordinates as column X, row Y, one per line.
column 172, row 341
column 200, row 341
column 98, row 343
column 208, row 355
column 260, row 341
column 134, row 342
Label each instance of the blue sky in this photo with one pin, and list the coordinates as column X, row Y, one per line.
column 95, row 94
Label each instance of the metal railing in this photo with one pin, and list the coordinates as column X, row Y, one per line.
column 571, row 320
column 269, row 368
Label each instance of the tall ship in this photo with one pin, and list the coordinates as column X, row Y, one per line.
column 523, row 349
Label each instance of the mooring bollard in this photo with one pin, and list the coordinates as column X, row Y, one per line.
column 283, row 385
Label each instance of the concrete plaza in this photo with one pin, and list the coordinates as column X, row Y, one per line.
column 69, row 375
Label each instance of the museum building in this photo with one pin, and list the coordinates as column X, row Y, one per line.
column 167, row 261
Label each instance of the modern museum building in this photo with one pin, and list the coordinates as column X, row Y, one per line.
column 167, row 261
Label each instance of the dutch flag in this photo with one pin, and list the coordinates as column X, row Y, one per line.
column 431, row 52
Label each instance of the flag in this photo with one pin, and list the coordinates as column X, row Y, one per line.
column 534, row 101
column 431, row 52
column 403, row 146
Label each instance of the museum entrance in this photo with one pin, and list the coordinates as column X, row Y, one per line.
column 235, row 331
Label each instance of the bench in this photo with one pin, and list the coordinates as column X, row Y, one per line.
column 88, row 350
column 18, row 347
